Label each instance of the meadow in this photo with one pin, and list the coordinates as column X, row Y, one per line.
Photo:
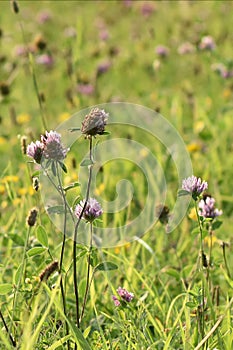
column 160, row 73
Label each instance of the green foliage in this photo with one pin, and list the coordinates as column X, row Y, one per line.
column 160, row 269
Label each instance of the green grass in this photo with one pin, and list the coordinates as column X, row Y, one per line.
column 159, row 268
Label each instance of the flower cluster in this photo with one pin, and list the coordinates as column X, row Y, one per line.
column 49, row 146
column 94, row 122
column 194, row 185
column 91, row 212
column 124, row 295
column 207, row 208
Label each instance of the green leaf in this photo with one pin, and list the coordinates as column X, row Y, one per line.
column 36, row 173
column 59, row 342
column 16, row 239
column 36, row 251
column 86, row 162
column 106, row 133
column 73, row 185
column 64, row 168
column 190, row 304
column 106, row 266
column 195, row 231
column 78, row 336
column 57, row 209
column 5, row 288
column 42, row 236
column 183, row 193
column 18, row 274
column 173, row 273
column 216, row 225
column 73, row 129
column 54, row 170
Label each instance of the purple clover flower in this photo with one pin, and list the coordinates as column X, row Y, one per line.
column 35, row 151
column 125, row 296
column 45, row 60
column 207, row 208
column 207, row 43
column 162, row 50
column 53, row 148
column 194, row 185
column 92, row 210
column 186, row 48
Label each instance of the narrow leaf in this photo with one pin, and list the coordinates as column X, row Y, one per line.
column 183, row 193
column 106, row 266
column 86, row 162
column 73, row 185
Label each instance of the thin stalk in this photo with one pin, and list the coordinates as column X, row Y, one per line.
column 75, row 239
column 225, row 259
column 62, row 252
column 202, row 282
column 7, row 330
column 22, row 271
column 88, row 283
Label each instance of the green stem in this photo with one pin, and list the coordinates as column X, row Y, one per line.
column 88, row 283
column 225, row 259
column 75, row 239
column 202, row 281
column 62, row 251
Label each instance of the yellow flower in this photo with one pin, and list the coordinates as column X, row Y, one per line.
column 207, row 240
column 144, row 152
column 22, row 191
column 63, row 116
column 2, row 189
column 193, row 147
column 226, row 93
column 192, row 214
column 10, row 178
column 99, row 189
column 23, row 118
column 4, row 204
column 199, row 126
column 16, row 201
column 2, row 140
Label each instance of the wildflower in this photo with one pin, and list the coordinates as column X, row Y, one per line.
column 103, row 68
column 85, row 89
column 45, row 60
column 116, row 301
column 124, row 294
column 35, row 151
column 194, row 185
column 147, row 9
column 53, row 148
column 31, row 219
column 162, row 51
column 44, row 16
column 91, row 212
column 186, row 48
column 94, row 122
column 207, row 43
column 207, row 208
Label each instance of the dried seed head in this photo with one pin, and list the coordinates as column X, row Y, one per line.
column 39, row 43
column 4, row 88
column 162, row 212
column 31, row 219
column 15, row 6
column 23, row 142
column 94, row 122
column 47, row 272
column 35, row 183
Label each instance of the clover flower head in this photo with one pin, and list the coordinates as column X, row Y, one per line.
column 91, row 212
column 162, row 50
column 124, row 294
column 207, row 208
column 194, row 185
column 35, row 151
column 207, row 43
column 94, row 122
column 53, row 148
